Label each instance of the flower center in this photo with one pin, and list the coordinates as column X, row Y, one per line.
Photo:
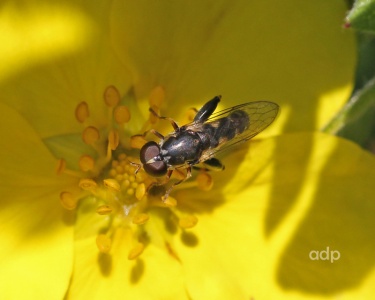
column 123, row 197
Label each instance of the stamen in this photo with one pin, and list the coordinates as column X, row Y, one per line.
column 90, row 135
column 82, row 112
column 169, row 202
column 61, row 166
column 140, row 191
column 136, row 251
column 121, row 114
column 188, row 222
column 178, row 174
column 103, row 243
column 112, row 184
column 86, row 163
column 140, row 219
column 137, row 141
column 104, row 210
column 111, row 96
column 157, row 96
column 68, row 201
column 204, row 181
column 113, row 140
column 87, row 184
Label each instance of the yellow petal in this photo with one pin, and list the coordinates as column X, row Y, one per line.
column 295, row 54
column 70, row 147
column 155, row 275
column 36, row 34
column 315, row 191
column 35, row 237
column 54, row 89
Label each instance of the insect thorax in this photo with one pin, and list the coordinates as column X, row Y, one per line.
column 181, row 148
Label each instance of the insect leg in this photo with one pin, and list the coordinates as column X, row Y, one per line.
column 173, row 123
column 134, row 164
column 188, row 175
column 206, row 111
column 168, row 176
column 153, row 131
column 143, row 136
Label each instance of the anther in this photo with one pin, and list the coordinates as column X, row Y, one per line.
column 68, row 201
column 112, row 184
column 140, row 219
column 61, row 166
column 121, row 114
column 111, row 96
column 90, row 135
column 136, row 251
column 178, row 174
column 82, row 112
column 103, row 243
column 113, row 139
column 157, row 96
column 140, row 191
column 169, row 202
column 104, row 210
column 86, row 163
column 204, row 181
column 137, row 141
column 188, row 222
column 87, row 184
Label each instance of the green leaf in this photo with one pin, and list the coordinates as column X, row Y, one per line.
column 357, row 118
column 362, row 16
column 365, row 61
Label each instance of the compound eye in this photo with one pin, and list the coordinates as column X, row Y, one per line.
column 149, row 151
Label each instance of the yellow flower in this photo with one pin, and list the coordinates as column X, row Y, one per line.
column 244, row 233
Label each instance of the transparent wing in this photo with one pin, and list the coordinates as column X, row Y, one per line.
column 261, row 114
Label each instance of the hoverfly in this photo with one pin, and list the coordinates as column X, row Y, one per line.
column 207, row 135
